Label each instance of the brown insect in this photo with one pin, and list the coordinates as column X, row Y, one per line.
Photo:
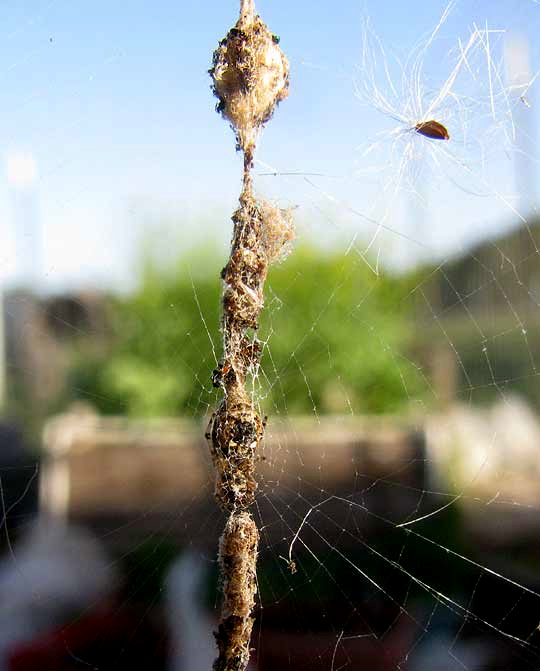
column 291, row 564
column 432, row 129
column 219, row 373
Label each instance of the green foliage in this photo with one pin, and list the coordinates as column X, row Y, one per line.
column 338, row 335
column 336, row 338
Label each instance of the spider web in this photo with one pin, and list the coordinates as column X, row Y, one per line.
column 404, row 539
column 331, row 531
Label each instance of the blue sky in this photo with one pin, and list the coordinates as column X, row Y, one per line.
column 112, row 101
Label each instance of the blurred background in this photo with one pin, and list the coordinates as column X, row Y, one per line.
column 401, row 337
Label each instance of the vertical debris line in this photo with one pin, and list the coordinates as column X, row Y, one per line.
column 250, row 76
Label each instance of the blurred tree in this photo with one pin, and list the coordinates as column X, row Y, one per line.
column 335, row 336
